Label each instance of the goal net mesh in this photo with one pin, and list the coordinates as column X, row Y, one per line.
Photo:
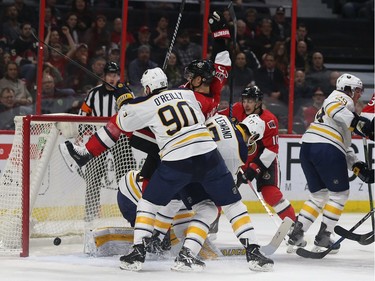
column 62, row 202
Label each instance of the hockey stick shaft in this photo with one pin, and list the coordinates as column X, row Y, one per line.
column 319, row 255
column 234, row 39
column 174, row 35
column 73, row 62
column 366, row 151
column 261, row 201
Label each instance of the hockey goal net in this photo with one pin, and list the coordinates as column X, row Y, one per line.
column 40, row 197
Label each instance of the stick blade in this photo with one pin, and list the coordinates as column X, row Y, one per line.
column 281, row 232
column 311, row 255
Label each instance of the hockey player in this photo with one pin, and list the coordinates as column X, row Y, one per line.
column 325, row 157
column 188, row 155
column 233, row 142
column 262, row 163
column 205, row 78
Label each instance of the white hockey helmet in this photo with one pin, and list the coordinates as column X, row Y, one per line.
column 348, row 81
column 155, row 79
column 255, row 126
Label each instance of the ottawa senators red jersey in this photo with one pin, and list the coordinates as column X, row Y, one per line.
column 266, row 149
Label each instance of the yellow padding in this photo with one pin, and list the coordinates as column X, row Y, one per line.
column 198, row 231
column 161, row 224
column 310, row 210
column 188, row 214
column 145, row 220
column 101, row 240
column 333, row 209
column 240, row 222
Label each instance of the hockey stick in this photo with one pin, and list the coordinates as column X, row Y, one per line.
column 261, row 200
column 234, row 39
column 174, row 35
column 363, row 239
column 319, row 255
column 72, row 61
column 268, row 249
column 365, row 147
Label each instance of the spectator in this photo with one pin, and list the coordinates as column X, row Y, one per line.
column 309, row 112
column 11, row 80
column 25, row 50
column 114, row 55
column 271, row 79
column 117, row 33
column 9, row 109
column 97, row 36
column 49, row 20
column 174, row 71
column 281, row 57
column 265, row 40
column 251, row 22
column 318, row 74
column 243, row 38
column 302, row 91
column 242, row 76
column 160, row 40
column 302, row 57
column 53, row 71
column 25, row 12
column 97, row 67
column 57, row 60
column 280, row 26
column 75, row 75
column 302, row 35
column 143, row 38
column 5, row 58
column 333, row 76
column 56, row 13
column 71, row 22
column 55, row 100
column 11, row 26
column 84, row 15
column 138, row 66
column 186, row 50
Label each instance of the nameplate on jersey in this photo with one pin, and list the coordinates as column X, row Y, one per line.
column 168, row 96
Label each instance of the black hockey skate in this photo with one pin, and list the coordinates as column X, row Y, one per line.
column 75, row 156
column 134, row 260
column 154, row 245
column 256, row 260
column 323, row 240
column 186, row 261
column 296, row 238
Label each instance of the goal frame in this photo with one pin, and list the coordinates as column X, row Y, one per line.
column 26, row 122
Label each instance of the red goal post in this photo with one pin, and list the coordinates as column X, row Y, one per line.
column 40, row 197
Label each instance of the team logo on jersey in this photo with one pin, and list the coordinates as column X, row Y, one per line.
column 271, row 124
column 251, row 149
column 266, row 175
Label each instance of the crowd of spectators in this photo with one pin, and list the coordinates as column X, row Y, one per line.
column 91, row 39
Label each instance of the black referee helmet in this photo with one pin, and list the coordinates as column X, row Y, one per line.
column 111, row 67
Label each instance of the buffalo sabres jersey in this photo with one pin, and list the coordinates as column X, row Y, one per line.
column 175, row 118
column 332, row 122
column 229, row 142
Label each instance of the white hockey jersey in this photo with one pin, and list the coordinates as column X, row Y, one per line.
column 174, row 116
column 332, row 122
column 229, row 142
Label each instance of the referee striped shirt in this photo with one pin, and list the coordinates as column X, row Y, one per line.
column 99, row 102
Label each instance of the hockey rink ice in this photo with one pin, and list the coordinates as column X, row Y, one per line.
column 67, row 262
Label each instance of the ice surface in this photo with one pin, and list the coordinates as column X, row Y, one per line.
column 67, row 262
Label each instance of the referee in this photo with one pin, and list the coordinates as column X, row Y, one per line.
column 101, row 102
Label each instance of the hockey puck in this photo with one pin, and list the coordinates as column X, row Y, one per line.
column 57, row 241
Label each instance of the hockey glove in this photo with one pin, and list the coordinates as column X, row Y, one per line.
column 123, row 94
column 253, row 171
column 361, row 126
column 240, row 179
column 219, row 27
column 361, row 170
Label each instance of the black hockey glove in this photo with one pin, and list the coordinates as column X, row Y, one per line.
column 361, row 126
column 253, row 171
column 361, row 170
column 218, row 25
column 123, row 94
column 240, row 179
